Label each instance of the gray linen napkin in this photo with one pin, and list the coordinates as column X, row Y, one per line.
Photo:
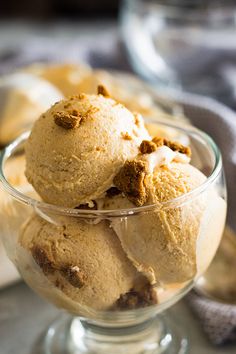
column 219, row 321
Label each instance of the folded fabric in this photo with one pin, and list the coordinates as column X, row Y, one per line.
column 218, row 319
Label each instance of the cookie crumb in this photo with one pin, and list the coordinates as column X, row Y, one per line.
column 67, row 105
column 173, row 145
column 86, row 206
column 100, row 148
column 147, row 147
column 158, row 141
column 126, row 136
column 43, row 260
column 81, row 96
column 149, row 295
column 137, row 299
column 74, row 112
column 92, row 110
column 131, row 180
column 67, row 120
column 74, row 275
column 59, row 284
column 101, row 90
column 137, row 117
column 129, row 301
column 112, row 192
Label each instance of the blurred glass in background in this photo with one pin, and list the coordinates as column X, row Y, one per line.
column 183, row 44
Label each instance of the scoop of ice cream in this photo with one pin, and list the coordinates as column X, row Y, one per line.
column 211, row 230
column 68, row 77
column 14, row 170
column 162, row 242
column 14, row 173
column 12, row 212
column 23, row 97
column 83, row 261
column 77, row 147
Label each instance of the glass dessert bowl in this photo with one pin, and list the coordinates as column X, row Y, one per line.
column 112, row 265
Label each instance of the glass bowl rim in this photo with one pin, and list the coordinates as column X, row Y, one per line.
column 65, row 211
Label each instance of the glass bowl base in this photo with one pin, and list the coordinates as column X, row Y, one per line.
column 68, row 335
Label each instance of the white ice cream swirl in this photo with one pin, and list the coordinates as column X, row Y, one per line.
column 163, row 156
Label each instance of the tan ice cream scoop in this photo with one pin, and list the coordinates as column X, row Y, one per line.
column 67, row 77
column 174, row 242
column 23, row 97
column 83, row 262
column 162, row 243
column 77, row 147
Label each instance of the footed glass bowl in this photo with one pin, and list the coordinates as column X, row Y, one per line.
column 114, row 270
